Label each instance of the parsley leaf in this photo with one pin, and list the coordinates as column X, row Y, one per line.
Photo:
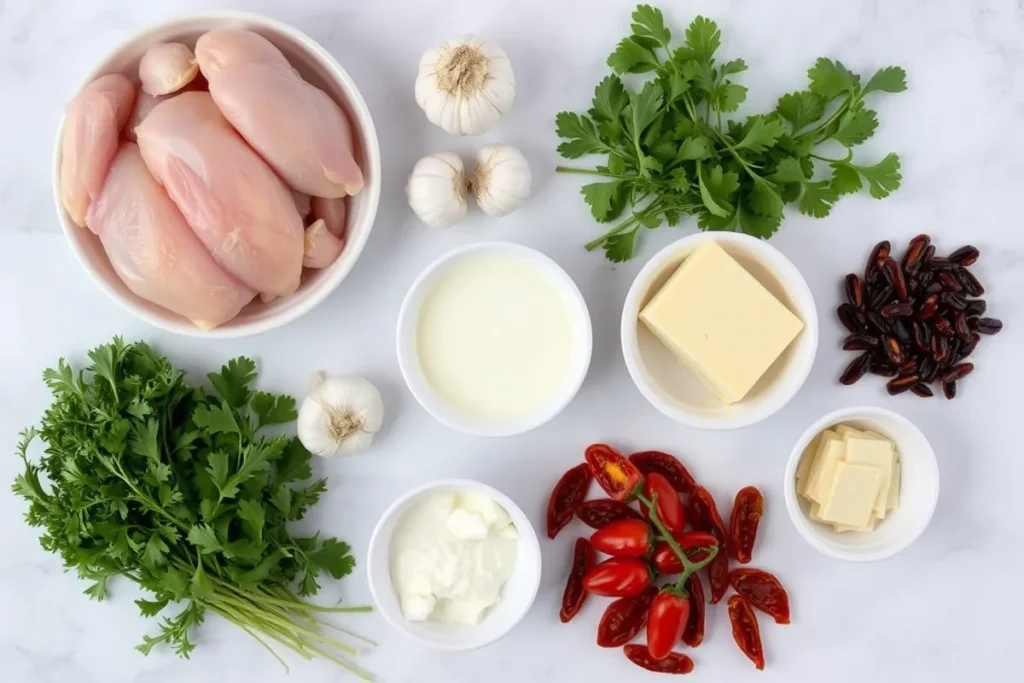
column 703, row 38
column 830, row 78
column 334, row 557
column 630, row 57
column 891, row 79
column 856, row 125
column 605, row 199
column 619, row 248
column 233, row 380
column 761, row 134
column 610, row 99
column 801, row 108
column 273, row 410
column 884, row 177
column 817, row 199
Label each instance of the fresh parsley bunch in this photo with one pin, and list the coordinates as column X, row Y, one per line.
column 671, row 153
column 181, row 490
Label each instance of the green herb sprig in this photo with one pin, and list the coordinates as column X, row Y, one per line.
column 182, row 491
column 671, row 152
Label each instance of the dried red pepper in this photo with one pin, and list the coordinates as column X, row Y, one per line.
column 666, row 501
column 598, row 513
column 693, row 634
column 568, row 493
column 618, row 577
column 674, row 663
column 763, row 591
column 745, row 631
column 583, row 558
column 746, row 515
column 624, row 618
column 619, row 478
column 666, row 621
column 668, row 466
column 624, row 538
column 704, row 516
column 718, row 577
column 693, row 544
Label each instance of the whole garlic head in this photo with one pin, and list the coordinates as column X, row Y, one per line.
column 465, row 85
column 437, row 189
column 340, row 416
column 501, row 180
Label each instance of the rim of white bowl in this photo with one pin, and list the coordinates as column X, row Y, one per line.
column 795, row 376
column 433, row 404
column 381, row 543
column 804, row 525
column 365, row 123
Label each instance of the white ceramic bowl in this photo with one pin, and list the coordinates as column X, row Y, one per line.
column 676, row 391
column 425, row 394
column 517, row 596
column 318, row 67
column 919, row 488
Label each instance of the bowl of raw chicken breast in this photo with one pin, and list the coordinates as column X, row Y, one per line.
column 218, row 175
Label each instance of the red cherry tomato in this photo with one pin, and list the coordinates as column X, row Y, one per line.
column 666, row 501
column 693, row 543
column 618, row 577
column 666, row 621
column 619, row 478
column 624, row 538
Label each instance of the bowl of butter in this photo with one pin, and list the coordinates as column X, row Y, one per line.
column 719, row 330
column 862, row 484
column 454, row 564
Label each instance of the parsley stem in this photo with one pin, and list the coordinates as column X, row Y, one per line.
column 592, row 171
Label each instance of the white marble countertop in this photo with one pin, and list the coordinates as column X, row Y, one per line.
column 947, row 609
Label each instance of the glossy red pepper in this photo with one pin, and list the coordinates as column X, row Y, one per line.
column 674, row 663
column 745, row 631
column 569, row 492
column 624, row 618
column 624, row 538
column 619, row 478
column 666, row 621
column 658, row 490
column 618, row 577
column 693, row 634
column 649, row 462
column 746, row 514
column 597, row 513
column 763, row 591
column 583, row 558
column 693, row 544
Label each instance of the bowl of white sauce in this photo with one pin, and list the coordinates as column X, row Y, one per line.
column 494, row 339
column 455, row 564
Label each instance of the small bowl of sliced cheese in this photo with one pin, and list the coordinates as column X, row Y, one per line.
column 862, row 484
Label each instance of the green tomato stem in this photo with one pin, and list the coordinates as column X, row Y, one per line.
column 689, row 567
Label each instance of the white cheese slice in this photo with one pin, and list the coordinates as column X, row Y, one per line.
column 811, row 458
column 821, row 480
column 846, row 431
column 894, row 487
column 873, row 453
column 815, row 512
column 851, row 498
column 841, row 528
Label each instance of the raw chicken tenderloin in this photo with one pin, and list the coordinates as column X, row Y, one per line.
column 332, row 211
column 296, row 127
column 92, row 125
column 154, row 251
column 240, row 210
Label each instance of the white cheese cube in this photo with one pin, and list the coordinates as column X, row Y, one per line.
column 720, row 322
column 851, row 498
column 873, row 453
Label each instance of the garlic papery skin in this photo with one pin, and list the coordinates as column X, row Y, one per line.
column 340, row 416
column 167, row 68
column 437, row 189
column 465, row 85
column 501, row 180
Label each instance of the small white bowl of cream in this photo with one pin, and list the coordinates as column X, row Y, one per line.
column 455, row 564
column 494, row 339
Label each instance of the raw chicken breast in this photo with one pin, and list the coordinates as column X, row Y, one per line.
column 155, row 252
column 240, row 210
column 332, row 211
column 322, row 248
column 144, row 103
column 296, row 127
column 92, row 125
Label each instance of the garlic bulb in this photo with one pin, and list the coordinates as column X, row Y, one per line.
column 340, row 416
column 167, row 68
column 465, row 85
column 437, row 190
column 501, row 180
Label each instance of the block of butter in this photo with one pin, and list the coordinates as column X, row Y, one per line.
column 720, row 322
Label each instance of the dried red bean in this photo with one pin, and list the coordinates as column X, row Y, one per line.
column 944, row 327
column 954, row 352
column 958, row 372
column 894, row 274
column 965, row 256
column 881, row 296
column 893, row 351
column 922, row 336
column 928, row 307
column 860, row 342
column 934, row 288
column 856, row 369
column 849, row 318
column 989, row 325
column 929, row 369
column 929, row 254
column 878, row 255
column 897, row 309
column 976, row 307
column 954, row 301
column 949, row 282
column 881, row 369
column 902, row 384
column 854, row 291
column 940, row 349
column 949, row 390
column 912, row 260
column 940, row 263
column 923, row 390
column 879, row 323
column 908, row 368
column 960, row 325
column 970, row 283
